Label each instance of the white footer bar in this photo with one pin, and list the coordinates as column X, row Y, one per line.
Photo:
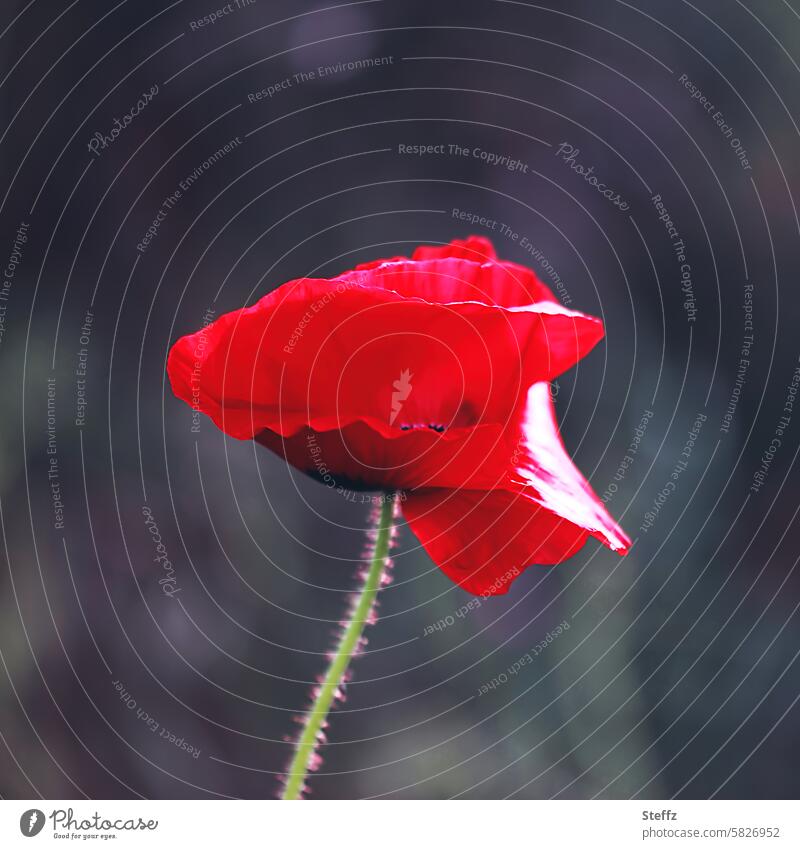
column 389, row 824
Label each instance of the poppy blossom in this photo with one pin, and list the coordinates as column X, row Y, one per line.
column 428, row 375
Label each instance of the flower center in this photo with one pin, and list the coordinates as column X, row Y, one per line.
column 439, row 428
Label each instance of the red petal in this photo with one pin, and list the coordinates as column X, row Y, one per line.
column 447, row 280
column 476, row 248
column 327, row 353
column 543, row 466
column 539, row 509
column 514, row 283
column 428, row 375
column 360, row 457
column 484, row 540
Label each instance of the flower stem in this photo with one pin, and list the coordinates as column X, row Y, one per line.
column 348, row 643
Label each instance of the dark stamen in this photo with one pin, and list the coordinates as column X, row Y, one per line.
column 439, row 428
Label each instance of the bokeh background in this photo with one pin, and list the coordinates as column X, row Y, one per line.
column 678, row 675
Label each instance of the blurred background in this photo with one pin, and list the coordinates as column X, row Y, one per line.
column 163, row 164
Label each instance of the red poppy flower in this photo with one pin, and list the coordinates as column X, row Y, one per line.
column 428, row 375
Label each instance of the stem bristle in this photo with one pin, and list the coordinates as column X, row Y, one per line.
column 331, row 687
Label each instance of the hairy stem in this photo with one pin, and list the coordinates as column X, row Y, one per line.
column 348, row 643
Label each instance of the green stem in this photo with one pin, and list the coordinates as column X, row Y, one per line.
column 315, row 718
